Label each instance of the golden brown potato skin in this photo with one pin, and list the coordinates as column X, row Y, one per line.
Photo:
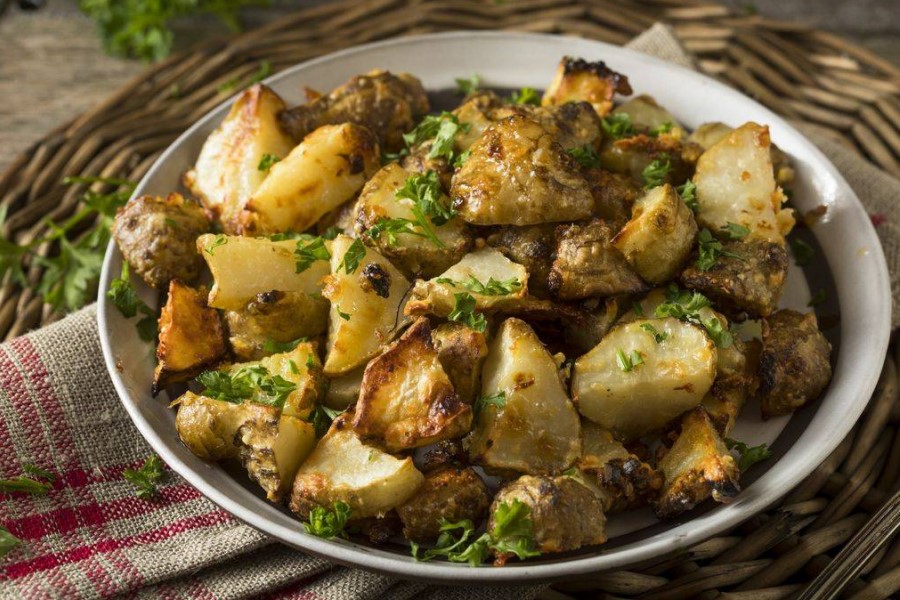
column 565, row 514
column 752, row 285
column 388, row 104
column 448, row 493
column 157, row 238
column 274, row 317
column 625, row 481
column 191, row 336
column 588, row 265
column 794, row 366
column 594, row 82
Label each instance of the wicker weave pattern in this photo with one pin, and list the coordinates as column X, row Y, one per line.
column 804, row 74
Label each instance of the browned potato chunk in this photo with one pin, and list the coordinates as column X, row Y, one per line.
column 795, row 364
column 660, row 235
column 646, row 115
column 751, row 283
column 343, row 390
column 407, row 400
column 736, row 381
column 388, row 104
column 696, row 467
column 581, row 327
column 274, row 318
column 519, row 174
column 462, row 351
column 449, row 493
column 625, row 481
column 594, row 82
column 191, row 336
column 156, row 236
column 587, row 264
column 614, row 194
column 533, row 247
column 631, row 155
column 565, row 514
column 209, row 427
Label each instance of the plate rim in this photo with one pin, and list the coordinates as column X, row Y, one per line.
column 683, row 535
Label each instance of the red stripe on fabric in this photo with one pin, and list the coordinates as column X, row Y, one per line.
column 50, row 561
column 197, row 590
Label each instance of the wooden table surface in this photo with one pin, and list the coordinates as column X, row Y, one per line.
column 52, row 66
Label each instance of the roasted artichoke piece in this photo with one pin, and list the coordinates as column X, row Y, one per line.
column 449, row 493
column 587, row 264
column 624, row 480
column 614, row 195
column 525, row 421
column 631, row 155
column 366, row 305
column 227, row 171
column 519, row 174
column 191, row 336
column 326, row 170
column 274, row 318
column 532, row 246
column 697, row 466
column 579, row 80
column 244, row 267
column 633, row 384
column 747, row 277
column 736, row 184
column 209, row 427
column 156, row 237
column 565, row 513
column 462, row 351
column 660, row 235
column 406, row 400
column 343, row 469
column 415, row 253
column 795, row 365
column 387, row 104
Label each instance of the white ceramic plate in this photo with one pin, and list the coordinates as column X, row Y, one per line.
column 850, row 266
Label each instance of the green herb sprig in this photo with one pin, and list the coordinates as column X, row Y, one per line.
column 442, row 130
column 329, row 524
column 749, row 455
column 658, row 336
column 464, row 312
column 123, row 295
column 586, row 156
column 249, row 383
column 686, row 306
column 656, row 172
column 618, row 126
column 310, row 249
column 526, row 95
column 688, row 193
column 482, row 402
column 467, row 85
column 7, row 541
column 146, row 478
column 491, row 288
column 627, row 362
column 710, row 249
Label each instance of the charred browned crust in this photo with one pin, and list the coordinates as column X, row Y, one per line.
column 448, row 493
column 579, row 65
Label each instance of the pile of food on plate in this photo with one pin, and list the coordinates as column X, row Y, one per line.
column 483, row 330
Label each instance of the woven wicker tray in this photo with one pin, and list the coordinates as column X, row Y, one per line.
column 807, row 75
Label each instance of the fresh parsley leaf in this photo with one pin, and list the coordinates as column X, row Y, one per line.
column 803, row 252
column 124, row 297
column 526, row 95
column 391, row 228
column 424, row 189
column 655, row 173
column 26, row 485
column 355, row 253
column 627, row 363
column 688, row 193
column 389, row 157
column 7, row 541
column 749, row 455
column 817, row 298
column 38, row 472
column 710, row 249
column 464, row 312
column 329, row 524
column 686, row 306
column 267, row 161
column 450, row 542
column 220, row 240
column 733, row 231
column 253, row 383
column 465, row 86
column 491, row 288
column 658, row 336
column 717, row 332
column 660, row 129
column 341, row 314
column 513, row 530
column 332, row 232
column 146, row 478
column 586, row 156
column 637, row 308
column 272, row 347
column 321, row 418
column 461, row 158
column 219, row 385
column 498, row 400
column 618, row 126
column 442, row 129
column 309, row 251
column 475, row 553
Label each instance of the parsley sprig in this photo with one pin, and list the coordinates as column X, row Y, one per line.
column 355, row 253
column 491, row 288
column 686, row 306
column 122, row 293
column 618, row 126
column 248, row 383
column 146, row 478
column 658, row 336
column 428, row 208
column 749, row 455
column 274, row 347
column 467, row 85
column 586, row 156
column 310, row 249
column 656, row 172
column 526, row 95
column 709, row 249
column 442, row 130
column 464, row 312
column 29, row 485
column 267, row 161
column 482, row 402
column 329, row 524
column 688, row 193
column 627, row 362
column 321, row 418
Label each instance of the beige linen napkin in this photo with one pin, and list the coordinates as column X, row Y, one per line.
column 90, row 537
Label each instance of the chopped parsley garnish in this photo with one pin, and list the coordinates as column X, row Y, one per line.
column 655, row 173
column 750, row 455
column 803, row 252
column 273, row 347
column 123, row 295
column 659, row 336
column 718, row 333
column 618, row 126
column 332, row 232
column 498, row 400
column 464, row 312
column 461, row 159
column 586, row 156
column 688, row 193
column 26, row 485
column 220, row 240
column 328, row 524
column 428, row 207
column 660, row 129
column 266, row 162
column 145, row 478
column 526, row 95
column 733, row 231
column 355, row 253
column 465, row 86
column 321, row 418
column 442, row 129
column 308, row 251
column 491, row 288
column 709, row 251
column 38, row 472
column 686, row 306
column 817, row 298
column 637, row 308
column 253, row 382
column 7, row 541
column 627, row 363
column 341, row 314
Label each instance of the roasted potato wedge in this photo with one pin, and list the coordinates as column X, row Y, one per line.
column 736, row 382
column 660, row 235
column 156, row 236
column 696, row 467
column 449, row 493
column 343, row 390
column 366, row 306
column 328, row 168
column 209, row 427
column 244, row 267
column 579, row 80
column 631, row 155
column 533, row 428
column 342, row 468
column 302, row 367
column 407, row 400
column 191, row 336
column 795, row 364
column 633, row 397
column 274, row 318
column 462, row 351
column 227, row 171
